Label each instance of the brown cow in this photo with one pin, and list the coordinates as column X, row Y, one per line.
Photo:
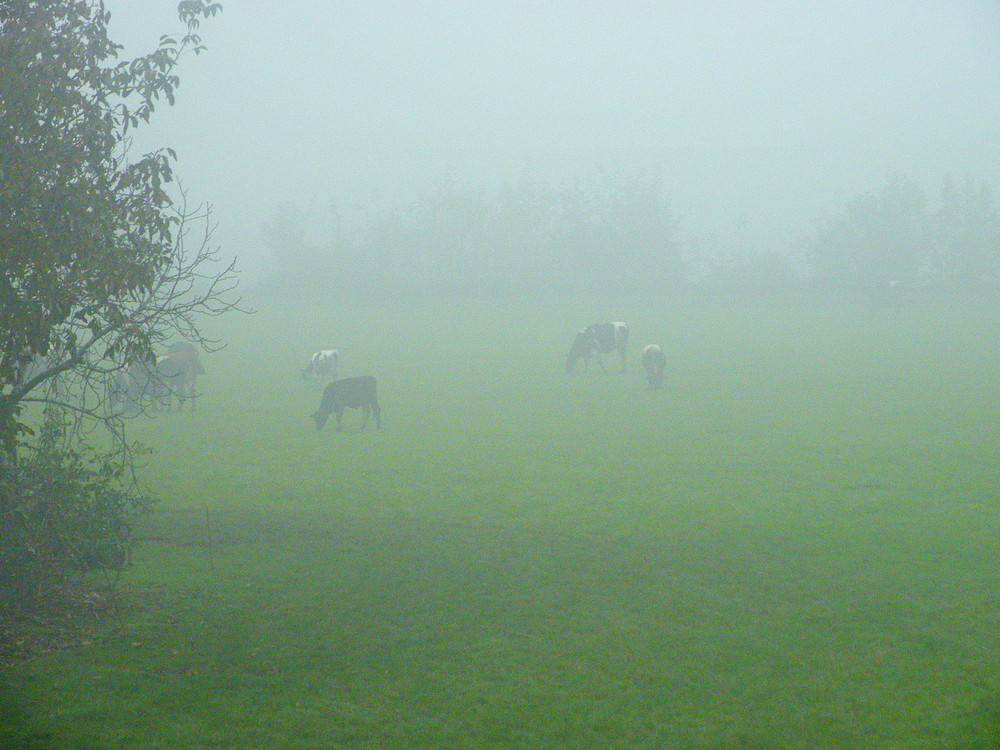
column 175, row 376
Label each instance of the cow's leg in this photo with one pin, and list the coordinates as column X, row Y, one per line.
column 340, row 418
column 378, row 415
column 365, row 411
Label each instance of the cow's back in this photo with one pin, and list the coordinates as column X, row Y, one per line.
column 653, row 356
column 608, row 337
column 181, row 367
column 351, row 392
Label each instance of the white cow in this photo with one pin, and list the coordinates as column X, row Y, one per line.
column 144, row 384
column 323, row 362
column 655, row 362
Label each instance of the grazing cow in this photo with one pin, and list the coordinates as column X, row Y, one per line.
column 598, row 338
column 349, row 393
column 132, row 385
column 322, row 363
column 655, row 362
column 887, row 297
column 175, row 376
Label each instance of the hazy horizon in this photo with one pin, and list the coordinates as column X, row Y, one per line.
column 765, row 117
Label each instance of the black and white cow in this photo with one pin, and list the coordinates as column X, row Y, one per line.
column 349, row 393
column 322, row 363
column 598, row 339
column 886, row 297
column 655, row 363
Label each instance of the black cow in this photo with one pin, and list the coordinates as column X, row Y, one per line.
column 655, row 362
column 349, row 393
column 886, row 297
column 598, row 338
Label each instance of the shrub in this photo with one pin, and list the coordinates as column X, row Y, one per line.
column 65, row 509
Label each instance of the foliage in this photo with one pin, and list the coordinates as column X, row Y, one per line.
column 88, row 236
column 613, row 232
column 64, row 508
column 896, row 234
column 966, row 234
column 100, row 262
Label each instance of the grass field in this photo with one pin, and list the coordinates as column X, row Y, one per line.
column 794, row 545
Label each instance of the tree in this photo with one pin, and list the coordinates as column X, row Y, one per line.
column 100, row 262
column 966, row 236
column 94, row 271
column 896, row 234
column 612, row 234
column 878, row 238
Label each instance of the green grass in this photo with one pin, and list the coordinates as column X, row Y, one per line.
column 794, row 545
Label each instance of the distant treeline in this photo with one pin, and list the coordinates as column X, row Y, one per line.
column 899, row 233
column 616, row 234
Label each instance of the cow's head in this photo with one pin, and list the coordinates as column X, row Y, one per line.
column 583, row 347
column 320, row 418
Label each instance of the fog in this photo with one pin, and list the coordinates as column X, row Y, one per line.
column 760, row 118
column 752, row 503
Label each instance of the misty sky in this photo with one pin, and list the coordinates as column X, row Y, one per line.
column 767, row 115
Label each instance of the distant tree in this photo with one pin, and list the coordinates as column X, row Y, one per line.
column 877, row 238
column 966, row 236
column 897, row 234
column 522, row 220
column 615, row 233
column 612, row 233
